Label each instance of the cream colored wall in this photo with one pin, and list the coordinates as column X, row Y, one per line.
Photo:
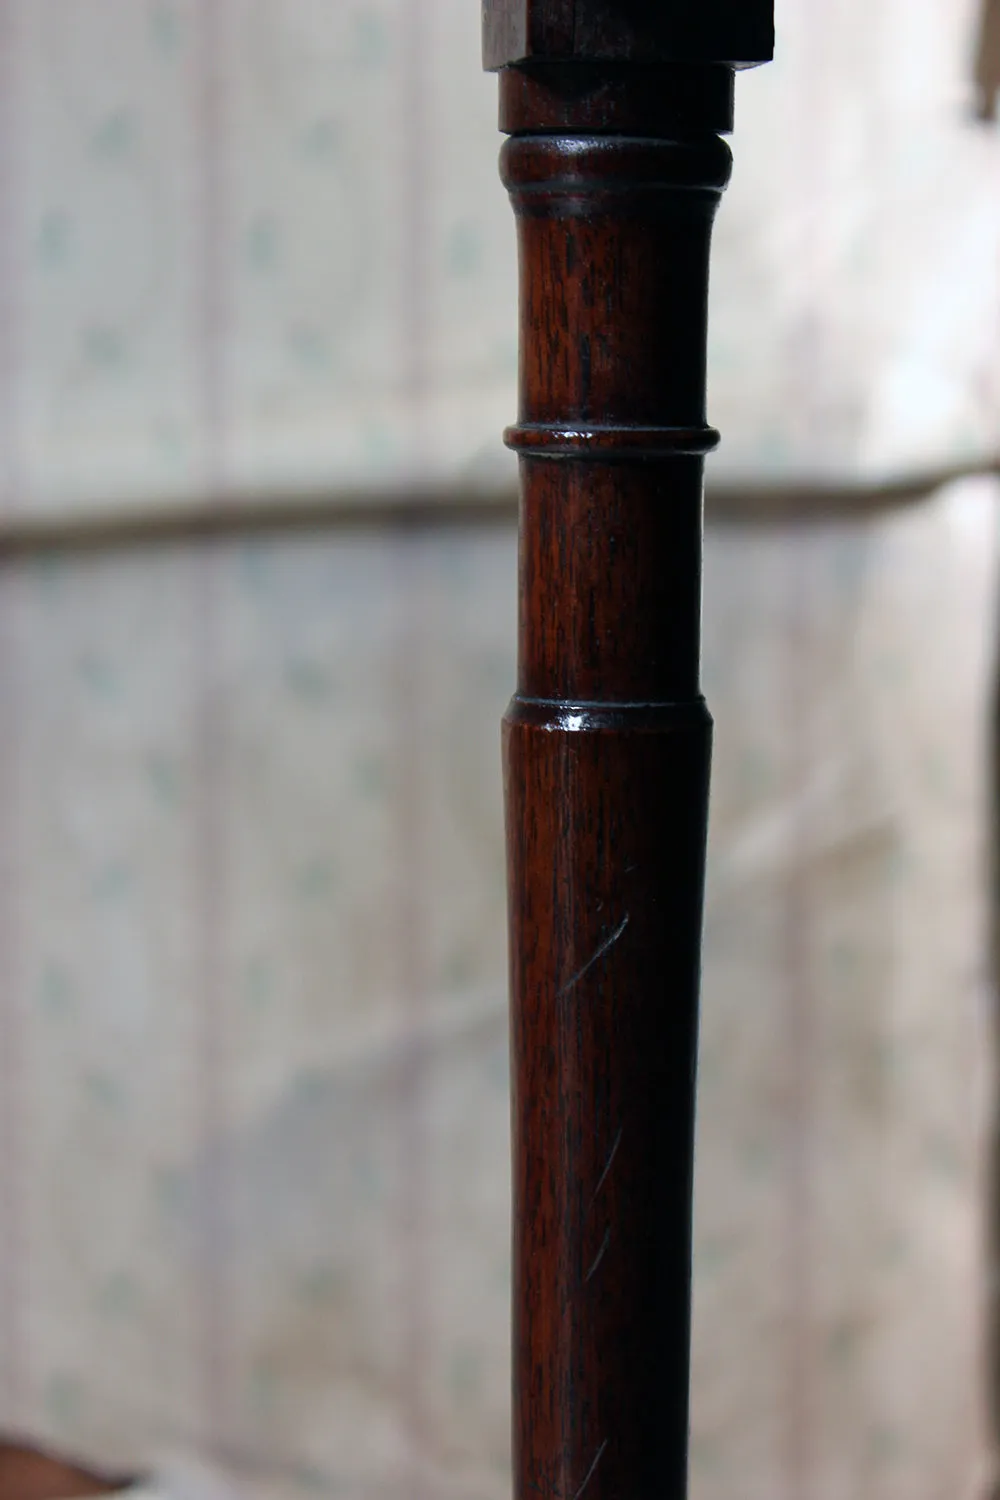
column 255, row 247
column 253, row 1103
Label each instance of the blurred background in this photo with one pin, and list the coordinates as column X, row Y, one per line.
column 257, row 574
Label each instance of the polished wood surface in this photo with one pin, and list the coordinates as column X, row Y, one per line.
column 615, row 168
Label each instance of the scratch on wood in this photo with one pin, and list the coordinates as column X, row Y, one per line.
column 592, row 1470
column 600, row 1254
column 592, row 960
column 608, row 1164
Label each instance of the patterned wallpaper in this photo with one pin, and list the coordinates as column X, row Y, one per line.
column 253, row 1070
column 258, row 248
column 265, row 251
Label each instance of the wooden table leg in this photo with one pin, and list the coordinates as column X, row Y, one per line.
column 615, row 167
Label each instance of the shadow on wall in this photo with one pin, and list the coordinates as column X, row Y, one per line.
column 988, row 60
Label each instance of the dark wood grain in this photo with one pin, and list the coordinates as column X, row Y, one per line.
column 615, row 169
column 738, row 32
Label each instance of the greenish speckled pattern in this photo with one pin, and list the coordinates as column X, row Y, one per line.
column 266, row 251
column 253, row 1090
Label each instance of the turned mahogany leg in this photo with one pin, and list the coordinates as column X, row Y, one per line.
column 615, row 167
